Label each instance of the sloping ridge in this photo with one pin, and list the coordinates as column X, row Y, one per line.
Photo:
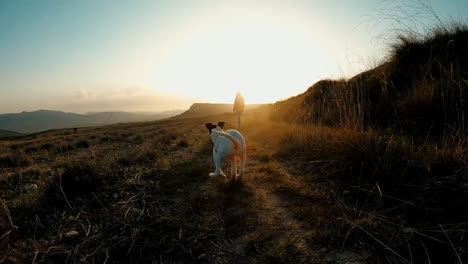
column 204, row 109
column 422, row 85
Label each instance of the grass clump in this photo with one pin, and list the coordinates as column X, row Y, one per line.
column 82, row 144
column 184, row 143
column 13, row 160
column 77, row 178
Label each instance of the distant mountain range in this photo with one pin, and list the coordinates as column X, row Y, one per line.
column 7, row 133
column 203, row 109
column 36, row 121
column 15, row 124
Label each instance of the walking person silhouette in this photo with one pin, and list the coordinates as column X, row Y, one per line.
column 238, row 107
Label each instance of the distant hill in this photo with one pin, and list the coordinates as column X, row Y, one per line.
column 204, row 109
column 30, row 122
column 7, row 133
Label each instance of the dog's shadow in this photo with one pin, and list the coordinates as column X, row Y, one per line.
column 237, row 205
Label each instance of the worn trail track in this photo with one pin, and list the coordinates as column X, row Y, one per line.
column 272, row 214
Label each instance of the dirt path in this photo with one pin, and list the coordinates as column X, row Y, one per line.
column 273, row 215
column 264, row 217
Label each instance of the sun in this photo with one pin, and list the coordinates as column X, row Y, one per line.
column 268, row 59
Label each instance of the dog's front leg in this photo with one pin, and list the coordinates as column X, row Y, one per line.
column 213, row 174
column 233, row 168
column 218, row 170
column 242, row 166
column 218, row 161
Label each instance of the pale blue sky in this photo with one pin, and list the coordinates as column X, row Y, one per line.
column 158, row 55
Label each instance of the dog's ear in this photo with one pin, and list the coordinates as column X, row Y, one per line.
column 210, row 126
column 221, row 124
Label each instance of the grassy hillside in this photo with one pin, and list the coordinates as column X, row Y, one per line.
column 392, row 143
column 420, row 89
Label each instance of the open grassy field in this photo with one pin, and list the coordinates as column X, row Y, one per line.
column 141, row 192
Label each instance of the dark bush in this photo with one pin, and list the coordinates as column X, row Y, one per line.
column 82, row 144
column 105, row 139
column 46, row 146
column 183, row 143
column 13, row 160
column 78, row 178
column 31, row 149
column 137, row 139
column 15, row 146
column 139, row 156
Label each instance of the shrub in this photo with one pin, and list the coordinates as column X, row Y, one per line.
column 105, row 139
column 79, row 177
column 46, row 146
column 183, row 143
column 15, row 146
column 137, row 139
column 31, row 149
column 146, row 154
column 13, row 160
column 82, row 144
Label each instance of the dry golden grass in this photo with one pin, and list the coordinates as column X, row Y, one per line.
column 399, row 197
column 391, row 142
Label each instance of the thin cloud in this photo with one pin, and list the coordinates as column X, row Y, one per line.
column 123, row 99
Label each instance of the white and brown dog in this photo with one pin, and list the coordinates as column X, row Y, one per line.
column 228, row 145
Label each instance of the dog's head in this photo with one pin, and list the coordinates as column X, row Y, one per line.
column 211, row 126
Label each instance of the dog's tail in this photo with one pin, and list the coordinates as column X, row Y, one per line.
column 231, row 138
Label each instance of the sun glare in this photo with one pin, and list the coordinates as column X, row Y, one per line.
column 268, row 59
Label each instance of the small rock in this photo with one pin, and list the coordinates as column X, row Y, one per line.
column 71, row 233
column 30, row 187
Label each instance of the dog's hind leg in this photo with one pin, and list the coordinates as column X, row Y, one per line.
column 236, row 167
column 233, row 167
column 242, row 166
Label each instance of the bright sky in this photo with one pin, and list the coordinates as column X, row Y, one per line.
column 89, row 55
